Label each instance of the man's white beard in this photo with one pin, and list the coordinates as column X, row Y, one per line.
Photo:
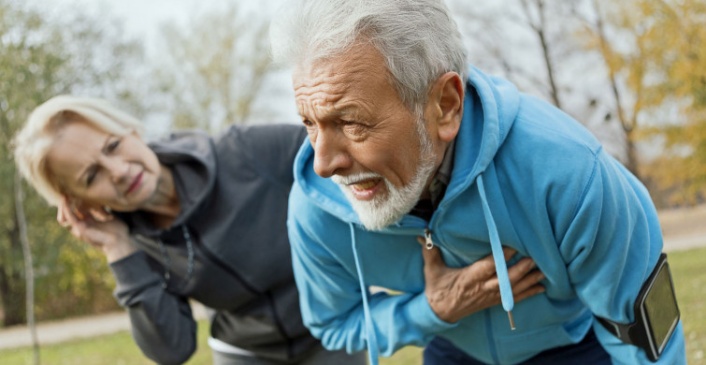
column 386, row 209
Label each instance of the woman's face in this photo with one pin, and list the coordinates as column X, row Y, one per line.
column 102, row 169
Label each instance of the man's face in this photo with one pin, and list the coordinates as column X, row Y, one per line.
column 363, row 136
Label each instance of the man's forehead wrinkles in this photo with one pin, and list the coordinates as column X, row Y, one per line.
column 308, row 85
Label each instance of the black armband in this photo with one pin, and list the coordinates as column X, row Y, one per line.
column 656, row 313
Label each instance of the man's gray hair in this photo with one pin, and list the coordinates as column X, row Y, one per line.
column 417, row 38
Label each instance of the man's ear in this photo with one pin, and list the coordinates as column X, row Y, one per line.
column 445, row 105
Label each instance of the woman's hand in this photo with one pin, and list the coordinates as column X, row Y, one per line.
column 95, row 226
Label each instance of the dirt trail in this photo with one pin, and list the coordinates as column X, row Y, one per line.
column 683, row 229
column 75, row 328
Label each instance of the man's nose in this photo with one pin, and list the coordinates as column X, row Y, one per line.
column 330, row 155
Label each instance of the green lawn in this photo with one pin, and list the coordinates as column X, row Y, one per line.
column 118, row 349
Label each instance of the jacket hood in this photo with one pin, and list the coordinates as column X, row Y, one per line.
column 191, row 157
column 490, row 107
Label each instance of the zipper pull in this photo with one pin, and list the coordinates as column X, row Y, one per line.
column 427, row 237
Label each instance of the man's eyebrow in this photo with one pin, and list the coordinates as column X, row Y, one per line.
column 353, row 110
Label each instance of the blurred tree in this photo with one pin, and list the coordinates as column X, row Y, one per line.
column 214, row 68
column 41, row 57
column 676, row 44
column 655, row 53
column 534, row 43
column 617, row 34
column 525, row 40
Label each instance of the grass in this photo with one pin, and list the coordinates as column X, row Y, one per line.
column 119, row 349
column 690, row 284
column 116, row 349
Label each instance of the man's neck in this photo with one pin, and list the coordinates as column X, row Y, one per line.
column 432, row 195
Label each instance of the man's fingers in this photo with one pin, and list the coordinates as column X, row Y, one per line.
column 485, row 267
column 529, row 280
column 529, row 292
column 509, row 252
column 517, row 271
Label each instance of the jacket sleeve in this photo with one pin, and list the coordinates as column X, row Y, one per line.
column 162, row 324
column 610, row 241
column 330, row 295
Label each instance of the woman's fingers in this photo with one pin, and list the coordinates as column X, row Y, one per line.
column 101, row 214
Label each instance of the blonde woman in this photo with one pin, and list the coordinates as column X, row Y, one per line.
column 187, row 217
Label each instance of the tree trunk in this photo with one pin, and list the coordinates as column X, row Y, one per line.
column 12, row 292
column 12, row 286
column 631, row 160
column 29, row 266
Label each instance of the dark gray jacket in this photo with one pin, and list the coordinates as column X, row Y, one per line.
column 233, row 192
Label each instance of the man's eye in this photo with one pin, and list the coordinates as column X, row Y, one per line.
column 353, row 127
column 308, row 123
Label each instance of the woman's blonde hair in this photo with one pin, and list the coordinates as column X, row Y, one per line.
column 33, row 142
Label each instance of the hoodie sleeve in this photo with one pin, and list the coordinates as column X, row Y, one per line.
column 162, row 323
column 330, row 295
column 610, row 241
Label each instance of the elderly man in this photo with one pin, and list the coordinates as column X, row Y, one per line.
column 406, row 143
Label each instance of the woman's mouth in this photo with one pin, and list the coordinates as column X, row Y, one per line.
column 136, row 182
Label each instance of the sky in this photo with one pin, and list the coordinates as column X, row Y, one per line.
column 143, row 18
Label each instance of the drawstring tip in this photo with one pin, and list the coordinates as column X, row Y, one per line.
column 512, row 320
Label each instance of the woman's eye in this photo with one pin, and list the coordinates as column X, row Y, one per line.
column 113, row 145
column 91, row 176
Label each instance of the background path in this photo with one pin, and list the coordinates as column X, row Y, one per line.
column 683, row 229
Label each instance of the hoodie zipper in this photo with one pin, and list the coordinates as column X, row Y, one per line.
column 427, row 237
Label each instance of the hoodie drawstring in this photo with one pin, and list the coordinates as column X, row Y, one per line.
column 369, row 328
column 506, row 296
column 500, row 266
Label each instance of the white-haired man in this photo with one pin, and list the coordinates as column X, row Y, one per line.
column 405, row 141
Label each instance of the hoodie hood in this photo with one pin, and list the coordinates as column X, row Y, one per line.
column 490, row 107
column 191, row 157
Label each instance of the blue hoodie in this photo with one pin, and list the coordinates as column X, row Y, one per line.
column 525, row 175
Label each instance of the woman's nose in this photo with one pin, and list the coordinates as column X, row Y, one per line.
column 118, row 168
